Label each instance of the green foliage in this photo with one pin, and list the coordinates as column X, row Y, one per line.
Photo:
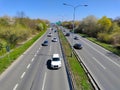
column 68, row 25
column 4, row 21
column 88, row 26
column 19, row 29
column 1, row 46
column 104, row 37
column 104, row 24
column 5, row 61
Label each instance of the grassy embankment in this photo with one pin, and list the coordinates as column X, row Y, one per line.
column 106, row 46
column 12, row 56
column 80, row 77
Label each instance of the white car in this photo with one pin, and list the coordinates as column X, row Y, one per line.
column 56, row 61
column 54, row 39
column 49, row 35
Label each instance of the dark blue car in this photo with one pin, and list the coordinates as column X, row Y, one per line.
column 45, row 43
column 77, row 46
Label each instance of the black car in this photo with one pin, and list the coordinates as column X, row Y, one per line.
column 45, row 43
column 77, row 46
column 76, row 38
column 67, row 34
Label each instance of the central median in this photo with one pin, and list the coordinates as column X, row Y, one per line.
column 80, row 80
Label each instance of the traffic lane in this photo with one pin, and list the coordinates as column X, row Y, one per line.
column 101, row 65
column 99, row 49
column 104, row 60
column 104, row 77
column 38, row 66
column 56, row 79
column 9, row 78
column 40, row 80
column 33, row 80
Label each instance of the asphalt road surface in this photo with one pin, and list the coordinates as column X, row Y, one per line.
column 31, row 71
column 101, row 63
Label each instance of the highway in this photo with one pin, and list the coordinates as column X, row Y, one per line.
column 31, row 70
column 101, row 63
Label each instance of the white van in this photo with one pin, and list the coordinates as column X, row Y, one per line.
column 56, row 61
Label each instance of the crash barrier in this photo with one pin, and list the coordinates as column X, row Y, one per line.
column 68, row 70
column 91, row 79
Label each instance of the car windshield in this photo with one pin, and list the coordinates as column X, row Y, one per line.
column 78, row 44
column 56, row 59
column 46, row 42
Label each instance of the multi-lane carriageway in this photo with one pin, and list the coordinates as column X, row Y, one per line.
column 31, row 72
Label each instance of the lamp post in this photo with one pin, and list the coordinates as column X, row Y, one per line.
column 74, row 9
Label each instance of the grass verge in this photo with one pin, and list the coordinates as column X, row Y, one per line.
column 80, row 77
column 6, row 61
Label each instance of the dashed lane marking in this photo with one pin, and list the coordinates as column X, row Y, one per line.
column 23, row 75
column 15, row 87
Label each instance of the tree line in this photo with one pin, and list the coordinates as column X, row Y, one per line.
column 14, row 30
column 105, row 29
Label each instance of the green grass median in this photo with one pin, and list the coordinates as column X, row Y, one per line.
column 80, row 77
column 7, row 60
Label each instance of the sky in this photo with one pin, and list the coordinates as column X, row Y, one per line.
column 54, row 10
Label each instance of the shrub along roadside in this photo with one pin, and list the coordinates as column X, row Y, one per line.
column 80, row 78
column 6, row 61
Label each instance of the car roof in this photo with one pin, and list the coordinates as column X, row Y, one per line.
column 55, row 55
column 78, row 44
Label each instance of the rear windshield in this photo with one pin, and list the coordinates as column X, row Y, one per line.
column 46, row 42
column 56, row 59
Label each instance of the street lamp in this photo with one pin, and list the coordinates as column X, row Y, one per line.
column 74, row 9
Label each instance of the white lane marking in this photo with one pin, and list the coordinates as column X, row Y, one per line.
column 28, row 66
column 99, row 63
column 44, row 81
column 102, row 54
column 35, row 55
column 37, row 51
column 15, row 87
column 23, row 75
column 32, row 59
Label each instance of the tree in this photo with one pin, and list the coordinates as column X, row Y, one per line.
column 117, row 20
column 104, row 24
column 88, row 26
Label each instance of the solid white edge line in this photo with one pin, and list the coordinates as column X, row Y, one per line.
column 44, row 81
column 28, row 66
column 102, row 54
column 99, row 63
column 15, row 87
column 23, row 75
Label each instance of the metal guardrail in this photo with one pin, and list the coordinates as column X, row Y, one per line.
column 91, row 79
column 69, row 73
